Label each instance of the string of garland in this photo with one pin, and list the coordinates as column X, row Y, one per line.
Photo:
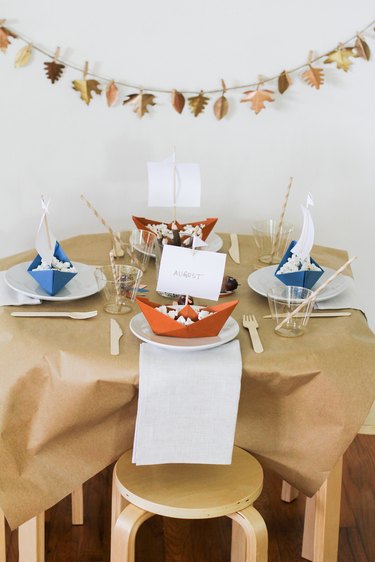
column 257, row 95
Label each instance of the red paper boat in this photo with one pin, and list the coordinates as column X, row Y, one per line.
column 141, row 223
column 163, row 325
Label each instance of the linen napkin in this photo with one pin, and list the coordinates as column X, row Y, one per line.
column 187, row 405
column 9, row 296
column 347, row 299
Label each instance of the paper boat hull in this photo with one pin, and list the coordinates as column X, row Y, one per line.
column 51, row 280
column 141, row 223
column 162, row 325
column 306, row 279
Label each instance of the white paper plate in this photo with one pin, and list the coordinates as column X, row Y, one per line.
column 264, row 279
column 82, row 285
column 141, row 328
column 214, row 243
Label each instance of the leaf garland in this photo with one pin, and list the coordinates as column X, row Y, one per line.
column 54, row 70
column 198, row 103
column 341, row 57
column 141, row 102
column 23, row 56
column 257, row 98
column 86, row 88
column 314, row 76
column 5, row 35
column 178, row 101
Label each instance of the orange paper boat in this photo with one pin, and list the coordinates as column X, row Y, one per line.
column 141, row 223
column 163, row 325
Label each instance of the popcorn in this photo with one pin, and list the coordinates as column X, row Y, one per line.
column 56, row 264
column 174, row 310
column 294, row 263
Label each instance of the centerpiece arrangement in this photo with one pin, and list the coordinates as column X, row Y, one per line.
column 172, row 184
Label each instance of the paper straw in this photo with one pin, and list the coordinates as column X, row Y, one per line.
column 280, row 224
column 103, row 221
column 115, row 279
column 315, row 293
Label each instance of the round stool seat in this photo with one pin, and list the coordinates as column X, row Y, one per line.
column 191, row 491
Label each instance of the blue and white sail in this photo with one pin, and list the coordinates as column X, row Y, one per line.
column 45, row 240
column 304, row 244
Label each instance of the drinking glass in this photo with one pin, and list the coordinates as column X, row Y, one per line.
column 271, row 250
column 284, row 300
column 119, row 290
column 141, row 248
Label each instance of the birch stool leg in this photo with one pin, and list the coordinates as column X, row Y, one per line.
column 3, row 547
column 125, row 531
column 118, row 503
column 31, row 540
column 255, row 533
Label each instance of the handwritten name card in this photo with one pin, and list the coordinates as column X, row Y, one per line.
column 188, row 272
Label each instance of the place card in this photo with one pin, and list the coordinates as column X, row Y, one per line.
column 172, row 184
column 189, row 272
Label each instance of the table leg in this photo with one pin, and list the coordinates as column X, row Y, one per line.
column 77, row 506
column 238, row 543
column 3, row 549
column 321, row 529
column 31, row 540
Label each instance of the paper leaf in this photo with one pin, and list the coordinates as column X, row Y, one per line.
column 284, row 81
column 5, row 34
column 362, row 49
column 198, row 103
column 314, row 77
column 221, row 107
column 178, row 101
column 54, row 70
column 141, row 102
column 86, row 88
column 341, row 57
column 112, row 94
column 23, row 56
column 257, row 98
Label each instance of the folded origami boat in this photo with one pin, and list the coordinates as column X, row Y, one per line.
column 302, row 278
column 163, row 325
column 51, row 280
column 208, row 224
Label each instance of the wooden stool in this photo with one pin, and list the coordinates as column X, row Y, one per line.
column 322, row 511
column 188, row 491
column 31, row 533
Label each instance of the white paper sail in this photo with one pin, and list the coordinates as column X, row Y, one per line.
column 198, row 243
column 45, row 240
column 304, row 244
column 172, row 184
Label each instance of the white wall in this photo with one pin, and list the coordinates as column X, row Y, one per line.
column 52, row 143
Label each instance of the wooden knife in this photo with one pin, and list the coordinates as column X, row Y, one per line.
column 116, row 333
column 234, row 250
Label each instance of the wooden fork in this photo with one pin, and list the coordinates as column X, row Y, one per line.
column 250, row 322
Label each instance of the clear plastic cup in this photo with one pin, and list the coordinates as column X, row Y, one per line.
column 270, row 249
column 284, row 300
column 120, row 291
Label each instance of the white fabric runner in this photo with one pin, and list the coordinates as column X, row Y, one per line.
column 347, row 299
column 187, row 405
column 9, row 296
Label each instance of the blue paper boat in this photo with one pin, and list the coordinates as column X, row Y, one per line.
column 51, row 280
column 305, row 279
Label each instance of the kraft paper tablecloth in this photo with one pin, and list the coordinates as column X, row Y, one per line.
column 67, row 407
